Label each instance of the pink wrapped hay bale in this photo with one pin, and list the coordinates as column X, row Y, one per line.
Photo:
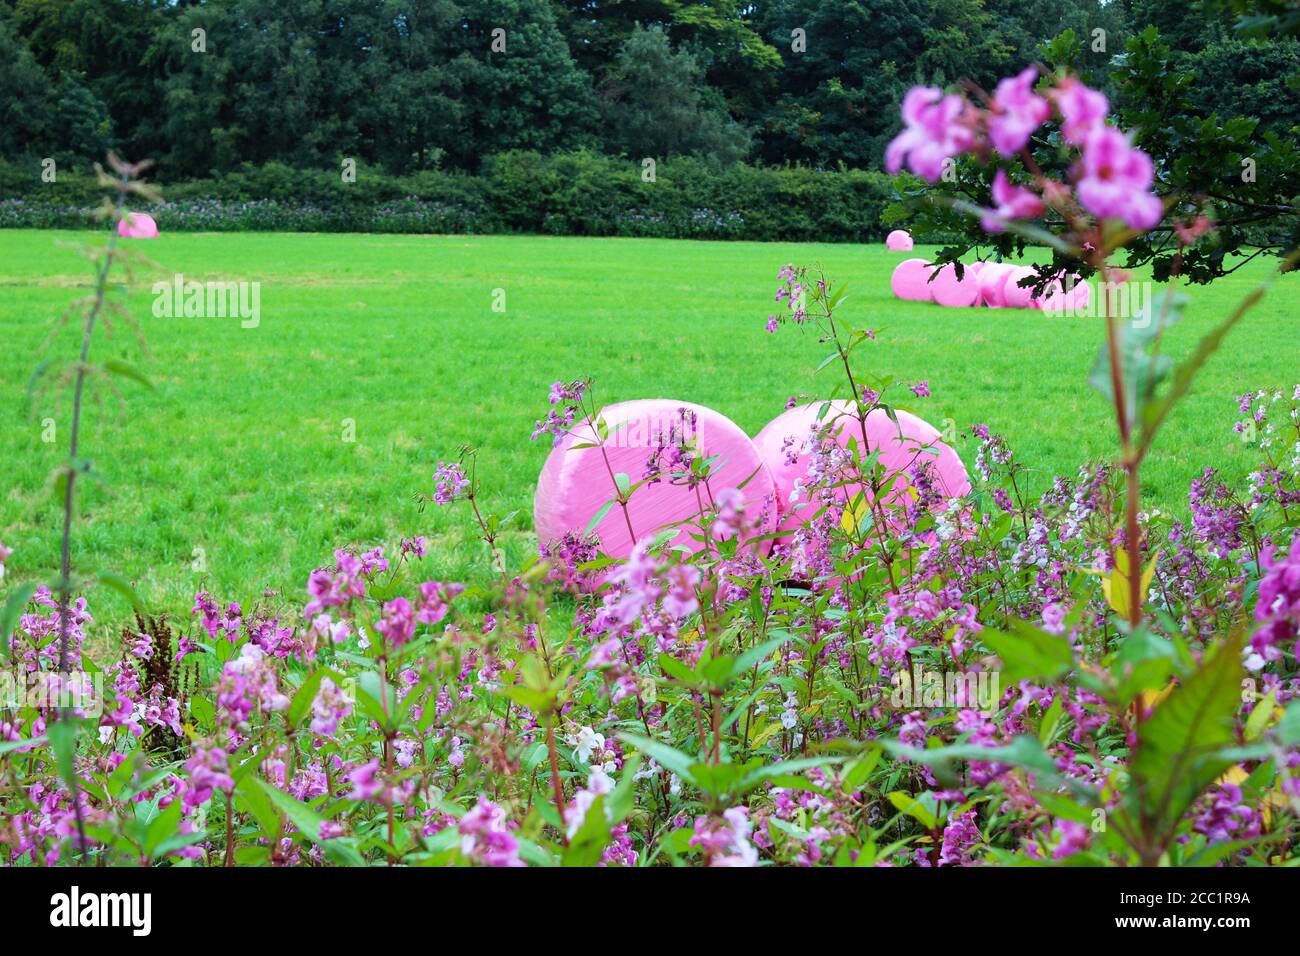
column 1014, row 295
column 900, row 240
column 911, row 280
column 947, row 289
column 654, row 438
column 1082, row 297
column 992, row 283
column 137, row 225
column 788, row 445
column 1053, row 300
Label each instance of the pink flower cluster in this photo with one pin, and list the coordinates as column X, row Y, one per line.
column 1112, row 179
column 1278, row 607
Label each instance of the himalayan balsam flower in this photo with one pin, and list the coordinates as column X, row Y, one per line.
column 566, row 402
column 1116, row 180
column 1082, row 109
column 1278, row 606
column 4, row 556
column 726, row 842
column 731, row 514
column 586, row 742
column 449, row 484
column 330, row 706
column 485, row 836
column 209, row 770
column 398, row 622
column 435, row 598
column 933, row 133
column 1013, row 202
column 1017, row 112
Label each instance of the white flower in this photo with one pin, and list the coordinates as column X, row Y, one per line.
column 587, row 742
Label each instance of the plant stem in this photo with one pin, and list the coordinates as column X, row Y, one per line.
column 65, row 574
column 557, row 789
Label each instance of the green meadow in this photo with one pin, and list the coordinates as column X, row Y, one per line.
column 259, row 450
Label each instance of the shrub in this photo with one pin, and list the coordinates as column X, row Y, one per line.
column 579, row 193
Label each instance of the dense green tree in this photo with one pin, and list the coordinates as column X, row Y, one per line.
column 24, row 97
column 844, row 75
column 1184, row 25
column 659, row 106
column 737, row 60
column 409, row 105
column 1238, row 77
column 97, row 52
column 531, row 96
column 255, row 85
column 409, row 85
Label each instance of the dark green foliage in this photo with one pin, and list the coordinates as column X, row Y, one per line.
column 579, row 193
column 659, row 108
column 465, row 92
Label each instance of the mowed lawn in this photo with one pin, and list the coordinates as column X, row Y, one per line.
column 238, row 455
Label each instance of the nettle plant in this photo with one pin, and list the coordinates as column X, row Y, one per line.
column 729, row 697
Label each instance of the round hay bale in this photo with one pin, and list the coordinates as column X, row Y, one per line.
column 947, row 289
column 899, row 241
column 137, row 225
column 1015, row 296
column 992, row 283
column 577, row 482
column 785, row 444
column 910, row 280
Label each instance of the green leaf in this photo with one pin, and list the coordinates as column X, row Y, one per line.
column 1050, row 722
column 161, row 827
column 757, row 654
column 1287, row 730
column 121, row 586
column 63, row 740
column 1178, row 746
column 920, row 808
column 126, row 370
column 667, row 757
column 305, row 695
column 721, row 779
column 755, row 776
column 202, row 711
column 676, row 669
column 592, row 837
column 13, row 609
column 1030, row 653
column 1142, row 368
column 251, row 796
column 1023, row 751
column 599, row 516
column 307, row 820
column 526, row 697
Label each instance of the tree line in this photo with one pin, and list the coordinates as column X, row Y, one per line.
column 405, row 86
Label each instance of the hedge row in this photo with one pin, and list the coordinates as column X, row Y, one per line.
column 578, row 193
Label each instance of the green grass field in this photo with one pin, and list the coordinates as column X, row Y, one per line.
column 239, row 449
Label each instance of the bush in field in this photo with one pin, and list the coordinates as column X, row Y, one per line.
column 578, row 193
column 905, row 680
